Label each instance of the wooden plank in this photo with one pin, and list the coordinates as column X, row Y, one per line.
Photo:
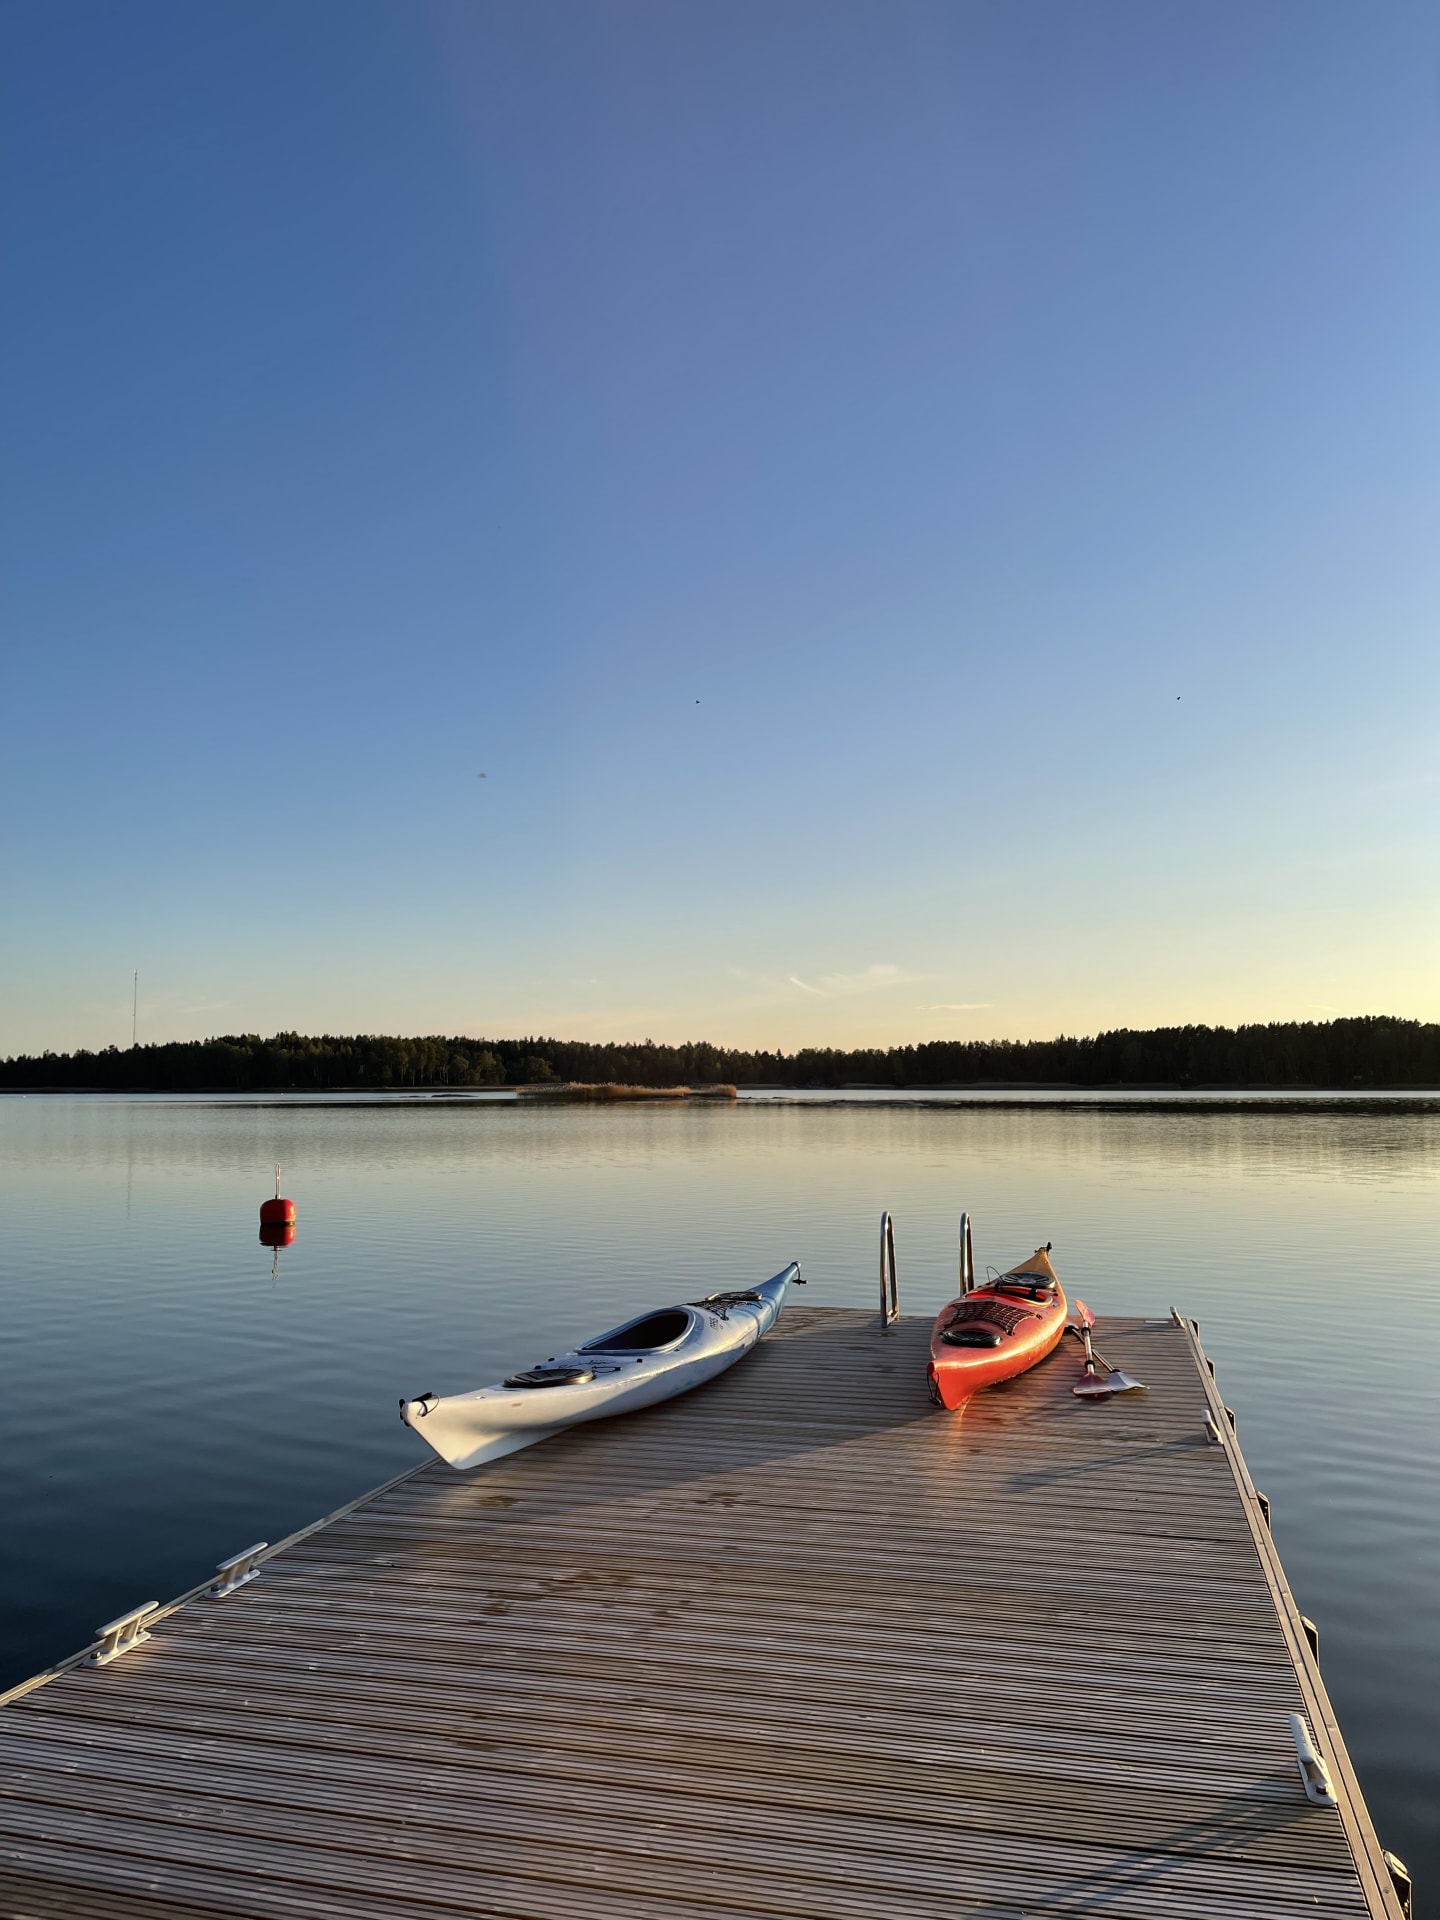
column 781, row 1789
column 796, row 1644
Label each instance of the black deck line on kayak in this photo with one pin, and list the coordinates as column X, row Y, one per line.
column 793, row 1643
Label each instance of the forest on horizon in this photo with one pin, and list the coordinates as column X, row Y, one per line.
column 1371, row 1051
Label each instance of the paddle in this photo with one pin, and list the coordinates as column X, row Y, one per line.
column 1092, row 1387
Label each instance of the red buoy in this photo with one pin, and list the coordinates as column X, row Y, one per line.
column 278, row 1212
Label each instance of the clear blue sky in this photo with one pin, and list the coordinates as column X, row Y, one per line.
column 925, row 516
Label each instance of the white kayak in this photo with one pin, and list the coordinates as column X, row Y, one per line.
column 649, row 1359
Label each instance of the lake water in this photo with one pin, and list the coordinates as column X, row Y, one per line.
column 167, row 1402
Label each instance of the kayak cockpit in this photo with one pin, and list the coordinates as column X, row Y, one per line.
column 978, row 1334
column 1028, row 1286
column 652, row 1333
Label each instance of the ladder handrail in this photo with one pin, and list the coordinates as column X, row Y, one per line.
column 889, row 1282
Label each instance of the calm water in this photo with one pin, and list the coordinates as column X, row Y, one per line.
column 165, row 1403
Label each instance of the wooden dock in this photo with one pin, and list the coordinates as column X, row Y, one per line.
column 769, row 1650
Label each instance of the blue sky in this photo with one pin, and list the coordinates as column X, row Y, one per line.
column 924, row 516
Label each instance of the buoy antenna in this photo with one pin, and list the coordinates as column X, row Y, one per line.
column 277, row 1179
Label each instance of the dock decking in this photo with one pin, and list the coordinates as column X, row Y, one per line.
column 767, row 1650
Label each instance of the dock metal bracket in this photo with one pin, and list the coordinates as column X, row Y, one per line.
column 1313, row 1770
column 122, row 1634
column 1212, row 1429
column 1262, row 1500
column 1400, row 1879
column 1312, row 1638
column 235, row 1571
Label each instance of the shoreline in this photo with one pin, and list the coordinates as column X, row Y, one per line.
column 1014, row 1096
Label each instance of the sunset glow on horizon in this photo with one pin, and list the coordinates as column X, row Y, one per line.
column 924, row 517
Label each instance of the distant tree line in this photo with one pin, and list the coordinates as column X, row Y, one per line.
column 1376, row 1051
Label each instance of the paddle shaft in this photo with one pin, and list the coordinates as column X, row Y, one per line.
column 1082, row 1334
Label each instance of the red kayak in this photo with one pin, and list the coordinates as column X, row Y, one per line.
column 996, row 1330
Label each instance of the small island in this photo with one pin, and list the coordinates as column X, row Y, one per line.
column 602, row 1090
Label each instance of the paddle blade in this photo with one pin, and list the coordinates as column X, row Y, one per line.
column 1127, row 1383
column 1092, row 1387
column 1083, row 1316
